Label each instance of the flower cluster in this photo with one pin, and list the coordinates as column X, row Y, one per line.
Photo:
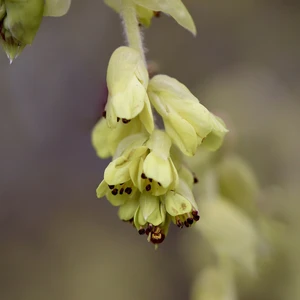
column 147, row 177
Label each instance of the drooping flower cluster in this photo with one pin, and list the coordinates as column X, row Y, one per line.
column 147, row 177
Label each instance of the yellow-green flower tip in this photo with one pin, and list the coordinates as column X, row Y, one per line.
column 214, row 139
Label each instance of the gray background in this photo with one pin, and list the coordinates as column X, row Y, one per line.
column 57, row 240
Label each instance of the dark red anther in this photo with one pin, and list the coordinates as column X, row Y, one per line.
column 142, row 231
column 190, row 220
column 114, row 192
column 125, row 121
column 128, row 190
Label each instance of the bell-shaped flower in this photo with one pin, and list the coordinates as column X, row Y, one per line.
column 146, row 162
column 151, row 218
column 181, row 205
column 145, row 9
column 214, row 139
column 186, row 121
column 105, row 140
column 127, row 81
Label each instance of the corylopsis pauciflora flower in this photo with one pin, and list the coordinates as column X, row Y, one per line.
column 127, row 82
column 186, row 120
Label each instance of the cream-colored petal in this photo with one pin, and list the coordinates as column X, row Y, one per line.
column 102, row 189
column 159, row 169
column 146, row 116
column 177, row 204
column 117, row 171
column 127, row 210
column 182, row 134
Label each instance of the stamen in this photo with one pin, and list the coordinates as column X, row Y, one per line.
column 196, row 216
column 111, row 186
column 128, row 190
column 149, row 228
column 196, row 180
column 121, row 191
column 159, row 183
column 118, row 119
column 143, row 176
column 114, row 192
column 190, row 221
column 142, row 231
column 104, row 114
column 148, row 187
column 150, row 179
column 125, row 121
column 186, row 224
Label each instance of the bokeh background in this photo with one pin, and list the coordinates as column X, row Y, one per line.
column 57, row 241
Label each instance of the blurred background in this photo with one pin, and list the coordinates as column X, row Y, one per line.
column 57, row 240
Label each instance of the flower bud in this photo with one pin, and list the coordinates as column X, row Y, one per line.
column 19, row 24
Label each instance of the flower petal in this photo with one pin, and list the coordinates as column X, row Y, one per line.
column 182, row 134
column 117, row 171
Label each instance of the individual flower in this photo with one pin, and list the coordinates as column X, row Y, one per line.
column 150, row 218
column 146, row 162
column 127, row 82
column 181, row 206
column 186, row 121
column 146, row 8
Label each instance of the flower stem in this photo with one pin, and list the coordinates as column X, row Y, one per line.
column 131, row 26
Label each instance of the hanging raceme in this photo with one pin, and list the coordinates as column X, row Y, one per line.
column 147, row 178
